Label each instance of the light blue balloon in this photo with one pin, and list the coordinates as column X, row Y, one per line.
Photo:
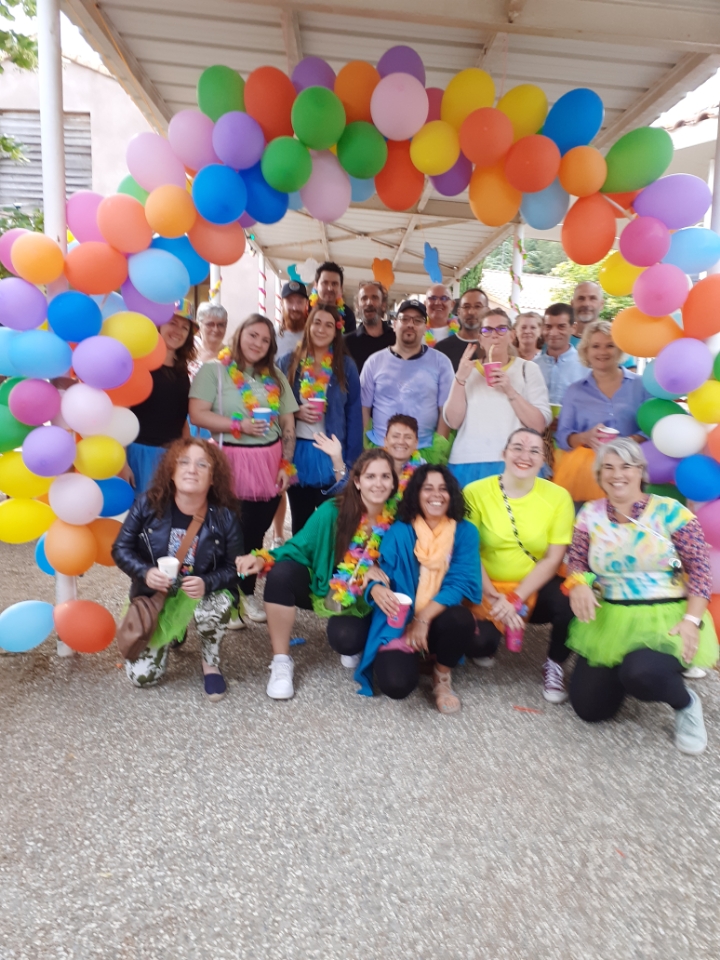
column 693, row 249
column 180, row 247
column 6, row 366
column 362, row 189
column 25, row 625
column 40, row 354
column 110, row 303
column 41, row 557
column 159, row 276
column 653, row 387
column 546, row 208
column 574, row 119
column 295, row 201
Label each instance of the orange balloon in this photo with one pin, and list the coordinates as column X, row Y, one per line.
column 701, row 310
column 95, row 268
column 492, row 200
column 624, row 200
column 70, row 549
column 641, row 335
column 154, row 359
column 105, row 531
column 269, row 96
column 220, row 243
column 37, row 258
column 582, row 171
column 714, row 608
column 588, row 231
column 354, row 85
column 532, row 163
column 170, row 211
column 85, row 626
column 121, row 221
column 486, row 135
column 137, row 388
column 399, row 183
column 713, row 443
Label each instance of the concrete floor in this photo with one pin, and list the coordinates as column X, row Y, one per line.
column 153, row 825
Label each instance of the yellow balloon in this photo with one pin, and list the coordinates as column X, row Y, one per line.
column 136, row 331
column 704, row 403
column 435, row 148
column 617, row 276
column 23, row 520
column 99, row 457
column 527, row 107
column 17, row 481
column 467, row 91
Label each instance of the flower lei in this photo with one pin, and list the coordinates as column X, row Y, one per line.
column 408, row 470
column 250, row 401
column 314, row 299
column 312, row 386
column 431, row 339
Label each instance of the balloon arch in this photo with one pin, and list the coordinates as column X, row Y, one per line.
column 316, row 140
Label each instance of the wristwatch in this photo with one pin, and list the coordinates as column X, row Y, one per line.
column 696, row 620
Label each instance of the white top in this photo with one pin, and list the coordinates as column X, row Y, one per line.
column 286, row 342
column 440, row 333
column 307, row 431
column 490, row 418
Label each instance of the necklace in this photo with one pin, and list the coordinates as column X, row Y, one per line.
column 347, row 583
column 431, row 339
column 242, row 382
column 407, row 471
column 312, row 385
column 513, row 524
column 314, row 299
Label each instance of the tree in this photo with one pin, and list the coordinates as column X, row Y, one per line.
column 472, row 278
column 540, row 256
column 569, row 274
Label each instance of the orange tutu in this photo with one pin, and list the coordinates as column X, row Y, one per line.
column 574, row 471
column 482, row 610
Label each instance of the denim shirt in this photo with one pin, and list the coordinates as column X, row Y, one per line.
column 585, row 405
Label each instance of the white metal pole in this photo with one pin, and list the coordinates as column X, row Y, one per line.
column 215, row 285
column 262, row 283
column 715, row 186
column 278, row 301
column 516, row 270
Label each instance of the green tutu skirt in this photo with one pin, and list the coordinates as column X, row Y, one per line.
column 619, row 629
column 359, row 609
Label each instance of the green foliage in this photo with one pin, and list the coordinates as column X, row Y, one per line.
column 16, row 47
column 540, row 256
column 569, row 274
column 11, row 217
column 473, row 278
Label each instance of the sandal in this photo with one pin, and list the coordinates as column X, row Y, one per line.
column 446, row 700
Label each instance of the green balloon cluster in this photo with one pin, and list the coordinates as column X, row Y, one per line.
column 637, row 159
column 286, row 164
column 318, row 118
column 220, row 90
column 132, row 188
column 362, row 150
column 12, row 432
column 653, row 410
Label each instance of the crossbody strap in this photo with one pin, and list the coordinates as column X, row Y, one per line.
column 220, row 398
column 190, row 534
column 512, row 522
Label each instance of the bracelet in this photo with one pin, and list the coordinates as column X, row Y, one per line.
column 288, row 468
column 696, row 621
column 461, row 382
column 577, row 579
column 425, row 622
column 341, row 470
column 267, row 557
column 236, row 428
column 521, row 608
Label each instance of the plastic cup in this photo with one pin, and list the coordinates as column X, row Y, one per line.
column 514, row 639
column 490, row 369
column 400, row 617
column 606, row 434
column 264, row 415
column 318, row 405
column 555, row 409
column 170, row 566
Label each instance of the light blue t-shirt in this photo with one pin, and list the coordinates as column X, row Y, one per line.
column 586, row 405
column 560, row 372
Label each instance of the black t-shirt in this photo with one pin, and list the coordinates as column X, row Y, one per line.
column 453, row 347
column 349, row 320
column 163, row 415
column 361, row 345
column 179, row 524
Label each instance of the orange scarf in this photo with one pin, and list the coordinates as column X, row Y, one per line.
column 433, row 550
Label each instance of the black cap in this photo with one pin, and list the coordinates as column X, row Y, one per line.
column 291, row 287
column 413, row 305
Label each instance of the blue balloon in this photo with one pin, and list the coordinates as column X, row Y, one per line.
column 25, row 625
column 41, row 558
column 264, row 203
column 118, row 496
column 698, row 478
column 362, row 189
column 574, row 119
column 295, row 201
column 653, row 387
column 219, row 193
column 110, row 303
column 7, row 369
column 693, row 249
column 74, row 316
column 159, row 276
column 546, row 208
column 41, row 354
column 180, row 247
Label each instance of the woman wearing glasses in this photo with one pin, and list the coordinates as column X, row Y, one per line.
column 489, row 400
column 212, row 320
column 525, row 525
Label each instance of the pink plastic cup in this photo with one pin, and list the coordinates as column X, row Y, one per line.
column 514, row 639
column 606, row 434
column 318, row 405
column 490, row 370
column 400, row 617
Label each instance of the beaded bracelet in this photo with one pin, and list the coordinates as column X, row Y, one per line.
column 267, row 557
column 577, row 579
column 236, row 429
column 289, row 468
column 521, row 608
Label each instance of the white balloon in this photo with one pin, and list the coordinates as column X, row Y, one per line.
column 75, row 498
column 713, row 344
column 679, row 435
column 124, row 426
column 86, row 410
column 59, row 421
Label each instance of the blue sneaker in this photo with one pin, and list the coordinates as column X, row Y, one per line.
column 215, row 686
column 690, row 734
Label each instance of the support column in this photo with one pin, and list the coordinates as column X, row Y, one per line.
column 278, row 301
column 516, row 270
column 715, row 186
column 215, row 285
column 262, row 283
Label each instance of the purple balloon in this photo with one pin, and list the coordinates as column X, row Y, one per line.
column 102, row 362
column 682, row 366
column 402, row 59
column 313, row 72
column 34, row 402
column 159, row 313
column 661, row 468
column 680, row 200
column 48, row 451
column 22, row 305
column 456, row 179
column 238, row 140
column 644, row 241
column 246, row 221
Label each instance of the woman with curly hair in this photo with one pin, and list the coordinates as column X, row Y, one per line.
column 193, row 481
column 432, row 555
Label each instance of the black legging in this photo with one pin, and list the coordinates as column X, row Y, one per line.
column 552, row 607
column 304, row 501
column 397, row 673
column 596, row 693
column 255, row 518
column 288, row 584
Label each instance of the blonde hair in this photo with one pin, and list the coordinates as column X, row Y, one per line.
column 597, row 326
column 623, row 447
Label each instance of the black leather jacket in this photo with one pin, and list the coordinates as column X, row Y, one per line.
column 144, row 538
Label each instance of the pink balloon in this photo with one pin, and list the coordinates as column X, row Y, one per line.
column 435, row 95
column 152, row 163
column 399, row 106
column 159, row 313
column 715, row 569
column 644, row 241
column 34, row 402
column 661, row 289
column 6, row 242
column 327, row 194
column 82, row 215
column 709, row 517
column 190, row 135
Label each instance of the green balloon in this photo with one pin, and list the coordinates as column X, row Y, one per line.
column 132, row 188
column 637, row 159
column 286, row 164
column 220, row 90
column 318, row 118
column 653, row 410
column 665, row 490
column 12, row 432
column 6, row 386
column 716, row 368
column 362, row 150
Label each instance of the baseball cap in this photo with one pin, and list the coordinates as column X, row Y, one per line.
column 413, row 305
column 291, row 287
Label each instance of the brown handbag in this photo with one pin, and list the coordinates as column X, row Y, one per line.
column 139, row 623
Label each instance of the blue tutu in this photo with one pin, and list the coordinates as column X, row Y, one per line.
column 143, row 461
column 314, row 468
column 466, row 473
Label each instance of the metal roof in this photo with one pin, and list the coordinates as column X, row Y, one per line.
column 640, row 57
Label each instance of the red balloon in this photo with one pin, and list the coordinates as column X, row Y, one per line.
column 220, row 243
column 701, row 310
column 486, row 135
column 95, row 268
column 154, row 359
column 84, row 625
column 399, row 183
column 532, row 163
column 137, row 388
column 714, row 609
column 624, row 200
column 269, row 96
column 588, row 231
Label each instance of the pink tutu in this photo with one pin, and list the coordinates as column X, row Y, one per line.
column 255, row 470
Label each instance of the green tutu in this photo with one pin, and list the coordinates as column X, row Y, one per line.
column 619, row 629
column 359, row 609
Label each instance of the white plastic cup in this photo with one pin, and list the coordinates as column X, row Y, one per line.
column 606, row 434
column 170, row 566
column 400, row 617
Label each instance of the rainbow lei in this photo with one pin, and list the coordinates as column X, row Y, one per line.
column 431, row 339
column 314, row 299
column 312, row 386
column 408, row 470
column 250, row 401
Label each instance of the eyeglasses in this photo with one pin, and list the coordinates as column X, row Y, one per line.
column 417, row 321
column 438, row 300
column 532, row 451
column 198, row 464
column 489, row 331
column 212, row 325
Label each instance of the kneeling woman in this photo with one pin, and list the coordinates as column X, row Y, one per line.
column 193, row 480
column 431, row 554
column 326, row 567
column 647, row 558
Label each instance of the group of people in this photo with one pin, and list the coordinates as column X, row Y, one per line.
column 416, row 459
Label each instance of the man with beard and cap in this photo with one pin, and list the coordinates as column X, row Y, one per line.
column 373, row 332
column 471, row 310
column 294, row 314
column 439, row 304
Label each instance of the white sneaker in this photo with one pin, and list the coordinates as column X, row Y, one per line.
column 694, row 673
column 485, row 662
column 690, row 735
column 236, row 624
column 63, row 650
column 280, row 685
column 350, row 662
column 554, row 682
column 254, row 609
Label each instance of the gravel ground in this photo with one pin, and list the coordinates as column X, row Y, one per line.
column 152, row 824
